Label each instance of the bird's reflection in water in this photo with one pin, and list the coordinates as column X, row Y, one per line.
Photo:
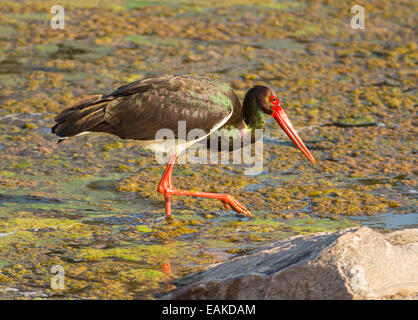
column 166, row 268
column 167, row 286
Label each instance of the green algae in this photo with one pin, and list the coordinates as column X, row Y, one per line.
column 6, row 30
column 149, row 254
column 141, row 228
column 364, row 121
column 141, row 276
column 111, row 146
column 10, row 17
column 47, row 48
column 32, row 223
column 191, row 5
column 22, row 164
column 142, row 40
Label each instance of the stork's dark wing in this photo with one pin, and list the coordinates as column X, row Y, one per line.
column 138, row 110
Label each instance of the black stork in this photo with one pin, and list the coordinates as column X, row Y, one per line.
column 140, row 109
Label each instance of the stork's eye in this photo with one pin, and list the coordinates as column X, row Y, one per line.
column 274, row 100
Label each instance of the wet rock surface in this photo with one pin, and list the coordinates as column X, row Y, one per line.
column 354, row 263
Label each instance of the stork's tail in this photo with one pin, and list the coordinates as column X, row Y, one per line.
column 80, row 118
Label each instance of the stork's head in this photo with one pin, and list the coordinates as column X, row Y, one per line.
column 269, row 103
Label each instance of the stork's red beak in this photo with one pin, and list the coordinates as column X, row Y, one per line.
column 287, row 127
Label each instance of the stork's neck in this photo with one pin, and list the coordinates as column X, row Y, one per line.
column 253, row 116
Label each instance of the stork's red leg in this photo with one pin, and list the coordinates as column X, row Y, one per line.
column 165, row 187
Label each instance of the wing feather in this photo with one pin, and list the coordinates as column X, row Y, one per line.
column 139, row 109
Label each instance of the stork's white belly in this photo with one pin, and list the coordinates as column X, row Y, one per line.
column 169, row 146
column 177, row 146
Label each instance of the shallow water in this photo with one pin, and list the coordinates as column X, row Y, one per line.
column 389, row 221
column 90, row 204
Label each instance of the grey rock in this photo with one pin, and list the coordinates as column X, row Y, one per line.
column 354, row 263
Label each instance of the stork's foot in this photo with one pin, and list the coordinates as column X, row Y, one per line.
column 166, row 188
column 227, row 200
column 231, row 203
